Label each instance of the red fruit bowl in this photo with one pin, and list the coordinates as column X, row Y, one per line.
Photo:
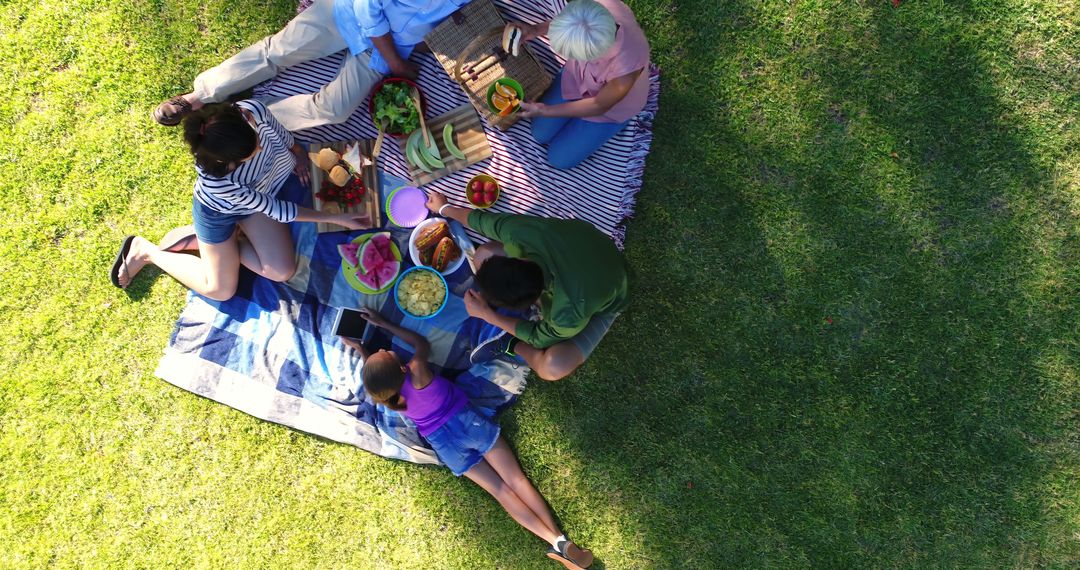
column 379, row 85
column 488, row 192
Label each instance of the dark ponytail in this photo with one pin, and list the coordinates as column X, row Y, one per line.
column 383, row 377
column 218, row 136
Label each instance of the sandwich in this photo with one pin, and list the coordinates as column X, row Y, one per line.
column 511, row 39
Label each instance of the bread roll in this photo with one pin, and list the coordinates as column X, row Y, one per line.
column 327, row 159
column 339, row 176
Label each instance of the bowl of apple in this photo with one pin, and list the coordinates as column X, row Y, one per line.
column 483, row 191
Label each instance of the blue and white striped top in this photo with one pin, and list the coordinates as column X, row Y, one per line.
column 252, row 187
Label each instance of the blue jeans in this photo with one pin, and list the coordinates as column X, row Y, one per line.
column 569, row 140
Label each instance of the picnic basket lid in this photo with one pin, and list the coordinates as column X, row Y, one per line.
column 472, row 36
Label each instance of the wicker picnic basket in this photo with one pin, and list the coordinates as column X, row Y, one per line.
column 468, row 44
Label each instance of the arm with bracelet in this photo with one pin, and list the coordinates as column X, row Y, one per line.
column 438, row 204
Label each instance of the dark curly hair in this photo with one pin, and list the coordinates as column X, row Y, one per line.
column 219, row 136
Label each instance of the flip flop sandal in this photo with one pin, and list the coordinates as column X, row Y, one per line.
column 564, row 558
column 163, row 117
column 180, row 239
column 119, row 265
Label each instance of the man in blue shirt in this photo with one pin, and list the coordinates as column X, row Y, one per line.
column 379, row 34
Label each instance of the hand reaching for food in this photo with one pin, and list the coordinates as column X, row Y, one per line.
column 303, row 165
column 530, row 110
column 435, row 201
column 350, row 221
column 406, row 69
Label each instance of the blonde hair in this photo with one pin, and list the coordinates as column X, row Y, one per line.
column 584, row 30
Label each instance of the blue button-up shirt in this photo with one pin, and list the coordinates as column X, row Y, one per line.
column 408, row 20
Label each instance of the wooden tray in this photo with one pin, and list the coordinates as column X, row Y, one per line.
column 472, row 35
column 469, row 136
column 369, row 206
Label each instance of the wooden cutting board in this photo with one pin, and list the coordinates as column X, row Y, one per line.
column 474, row 34
column 369, row 206
column 468, row 135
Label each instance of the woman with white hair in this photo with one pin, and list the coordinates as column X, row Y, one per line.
column 603, row 85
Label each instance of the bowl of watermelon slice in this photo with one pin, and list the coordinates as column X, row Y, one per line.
column 371, row 262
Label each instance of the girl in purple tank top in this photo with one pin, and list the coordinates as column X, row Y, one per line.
column 462, row 437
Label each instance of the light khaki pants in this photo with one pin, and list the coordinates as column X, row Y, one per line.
column 310, row 35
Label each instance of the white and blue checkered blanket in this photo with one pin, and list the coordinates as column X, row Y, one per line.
column 270, row 351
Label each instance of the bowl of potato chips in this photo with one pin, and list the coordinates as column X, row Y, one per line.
column 421, row 292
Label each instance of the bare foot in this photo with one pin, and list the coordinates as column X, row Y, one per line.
column 137, row 258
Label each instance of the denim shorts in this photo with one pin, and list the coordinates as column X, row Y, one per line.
column 212, row 226
column 463, row 440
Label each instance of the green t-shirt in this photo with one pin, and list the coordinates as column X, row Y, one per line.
column 584, row 273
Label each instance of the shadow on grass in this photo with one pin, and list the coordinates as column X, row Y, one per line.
column 142, row 284
column 940, row 331
column 839, row 348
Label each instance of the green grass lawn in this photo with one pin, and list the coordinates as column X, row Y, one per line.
column 854, row 337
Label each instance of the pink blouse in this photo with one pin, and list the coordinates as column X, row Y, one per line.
column 629, row 53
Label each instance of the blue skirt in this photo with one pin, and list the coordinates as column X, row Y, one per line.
column 463, row 440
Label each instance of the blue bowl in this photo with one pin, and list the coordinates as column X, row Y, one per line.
column 401, row 278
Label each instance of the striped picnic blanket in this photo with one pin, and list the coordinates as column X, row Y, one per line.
column 270, row 351
column 600, row 190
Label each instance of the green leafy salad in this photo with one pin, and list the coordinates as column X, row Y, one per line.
column 393, row 103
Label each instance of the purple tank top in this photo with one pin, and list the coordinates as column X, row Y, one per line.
column 432, row 406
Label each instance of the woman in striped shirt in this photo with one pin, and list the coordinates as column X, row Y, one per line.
column 244, row 158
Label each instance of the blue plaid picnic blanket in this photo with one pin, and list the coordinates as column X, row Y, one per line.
column 270, row 351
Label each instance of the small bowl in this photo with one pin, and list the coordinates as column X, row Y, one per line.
column 371, row 101
column 485, row 178
column 446, row 289
column 511, row 84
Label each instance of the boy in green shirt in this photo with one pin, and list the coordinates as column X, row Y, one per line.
column 568, row 267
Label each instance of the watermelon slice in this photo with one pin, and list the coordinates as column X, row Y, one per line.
column 370, row 257
column 379, row 277
column 348, row 253
column 382, row 243
column 388, row 271
column 369, row 280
